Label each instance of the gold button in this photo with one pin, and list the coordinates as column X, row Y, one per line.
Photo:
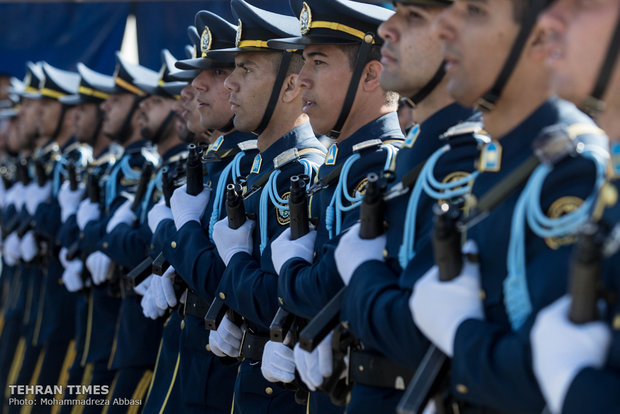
column 280, row 300
column 152, row 246
column 483, row 294
column 314, row 255
column 268, row 390
column 361, row 368
column 345, row 325
column 81, row 235
column 385, row 254
column 182, row 324
column 616, row 322
column 208, row 348
column 462, row 389
column 60, row 282
column 173, row 245
column 105, row 245
column 222, row 296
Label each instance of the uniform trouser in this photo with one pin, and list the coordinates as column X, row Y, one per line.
column 207, row 384
column 100, row 375
column 255, row 395
column 128, row 390
column 372, row 400
column 320, row 403
column 29, row 365
column 164, row 391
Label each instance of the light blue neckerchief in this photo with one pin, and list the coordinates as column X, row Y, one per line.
column 270, row 192
column 336, row 206
column 516, row 295
column 154, row 183
column 111, row 186
column 434, row 189
column 234, row 168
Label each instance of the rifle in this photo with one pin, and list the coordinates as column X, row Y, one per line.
column 22, row 175
column 371, row 226
column 160, row 264
column 39, row 170
column 431, row 374
column 94, row 195
column 285, row 321
column 73, row 184
column 235, row 211
column 585, row 273
column 194, row 171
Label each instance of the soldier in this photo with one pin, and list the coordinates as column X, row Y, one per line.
column 376, row 284
column 576, row 363
column 266, row 100
column 338, row 38
column 121, row 124
column 88, row 130
column 482, row 318
column 203, row 381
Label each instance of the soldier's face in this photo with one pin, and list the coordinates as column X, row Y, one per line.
column 50, row 116
column 324, row 80
column 577, row 34
column 115, row 110
column 86, row 121
column 29, row 112
column 411, row 52
column 211, row 99
column 152, row 112
column 477, row 35
column 188, row 109
column 250, row 86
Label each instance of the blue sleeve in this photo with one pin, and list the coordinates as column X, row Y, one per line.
column 68, row 232
column 251, row 288
column 306, row 288
column 126, row 245
column 377, row 310
column 593, row 391
column 92, row 234
column 47, row 220
column 194, row 258
column 164, row 233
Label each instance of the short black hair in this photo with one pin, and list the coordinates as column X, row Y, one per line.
column 351, row 52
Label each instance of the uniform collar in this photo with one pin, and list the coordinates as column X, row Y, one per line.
column 177, row 149
column 136, row 146
column 225, row 143
column 384, row 128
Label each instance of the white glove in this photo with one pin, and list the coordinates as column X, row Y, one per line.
column 438, row 308
column 28, row 246
column 283, row 248
column 143, row 286
column 560, row 349
column 149, row 309
column 163, row 289
column 187, row 207
column 100, row 267
column 62, row 257
column 72, row 276
column 231, row 241
column 69, row 200
column 123, row 214
column 36, row 195
column 11, row 250
column 226, row 340
column 352, row 251
column 16, row 195
column 278, row 362
column 314, row 367
column 158, row 213
column 87, row 211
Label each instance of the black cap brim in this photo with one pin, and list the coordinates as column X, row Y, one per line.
column 184, row 75
column 204, row 63
column 72, row 100
column 303, row 41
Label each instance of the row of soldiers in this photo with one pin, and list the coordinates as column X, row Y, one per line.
column 302, row 254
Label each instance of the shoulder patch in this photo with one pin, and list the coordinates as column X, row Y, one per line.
column 490, row 157
column 283, row 216
column 217, row 144
column 559, row 208
column 412, row 136
column 258, row 160
column 332, row 154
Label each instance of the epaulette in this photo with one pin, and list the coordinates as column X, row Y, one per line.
column 249, row 145
column 286, row 157
column 366, row 145
column 464, row 128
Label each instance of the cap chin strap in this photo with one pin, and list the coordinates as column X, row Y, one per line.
column 61, row 119
column 489, row 100
column 125, row 131
column 158, row 136
column 594, row 104
column 275, row 92
column 428, row 88
column 360, row 63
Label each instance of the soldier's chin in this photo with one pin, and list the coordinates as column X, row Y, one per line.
column 146, row 133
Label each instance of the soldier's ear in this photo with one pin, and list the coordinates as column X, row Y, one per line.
column 370, row 76
column 291, row 89
column 537, row 47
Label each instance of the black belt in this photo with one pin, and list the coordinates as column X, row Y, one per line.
column 252, row 346
column 195, row 306
column 377, row 371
